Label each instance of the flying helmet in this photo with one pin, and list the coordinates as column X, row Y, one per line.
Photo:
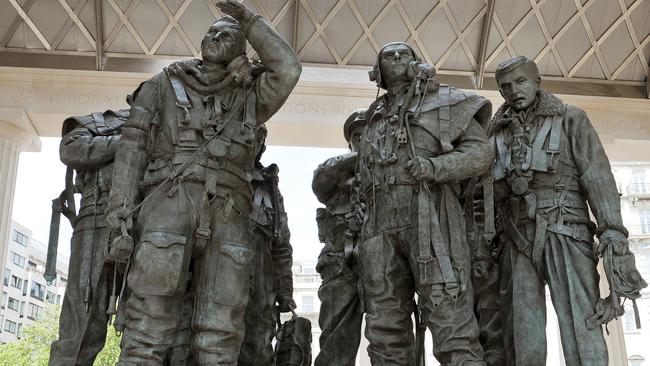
column 375, row 73
column 355, row 120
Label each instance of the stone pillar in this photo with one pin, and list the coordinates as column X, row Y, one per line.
column 16, row 135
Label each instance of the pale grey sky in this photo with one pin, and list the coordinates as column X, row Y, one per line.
column 41, row 178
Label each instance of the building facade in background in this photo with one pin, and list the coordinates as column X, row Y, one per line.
column 633, row 182
column 25, row 293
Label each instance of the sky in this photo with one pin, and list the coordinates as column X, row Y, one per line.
column 41, row 177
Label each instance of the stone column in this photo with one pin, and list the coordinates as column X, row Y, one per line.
column 16, row 135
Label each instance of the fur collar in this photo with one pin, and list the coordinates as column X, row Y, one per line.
column 240, row 72
column 547, row 105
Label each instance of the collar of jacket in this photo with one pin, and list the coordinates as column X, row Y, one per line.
column 444, row 95
column 547, row 105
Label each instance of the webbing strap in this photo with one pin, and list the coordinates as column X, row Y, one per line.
column 518, row 239
column 429, row 234
column 98, row 118
column 424, row 237
column 556, row 131
column 537, row 256
column 541, row 135
column 540, row 159
column 445, row 121
column 637, row 318
column 181, row 96
column 488, row 208
column 576, row 232
column 203, row 232
column 500, row 167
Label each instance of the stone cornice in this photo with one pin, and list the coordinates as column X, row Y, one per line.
column 16, row 126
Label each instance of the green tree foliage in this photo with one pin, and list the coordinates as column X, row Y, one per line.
column 33, row 348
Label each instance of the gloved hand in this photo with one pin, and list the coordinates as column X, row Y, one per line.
column 118, row 215
column 606, row 310
column 421, row 169
column 612, row 237
column 237, row 10
column 285, row 303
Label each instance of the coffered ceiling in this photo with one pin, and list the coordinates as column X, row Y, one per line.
column 602, row 45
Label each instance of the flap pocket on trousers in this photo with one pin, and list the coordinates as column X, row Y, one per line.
column 163, row 240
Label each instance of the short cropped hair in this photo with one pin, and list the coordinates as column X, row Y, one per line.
column 515, row 62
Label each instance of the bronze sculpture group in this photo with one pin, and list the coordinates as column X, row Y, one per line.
column 440, row 214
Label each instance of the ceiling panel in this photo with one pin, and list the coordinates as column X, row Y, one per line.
column 617, row 47
column 511, row 12
column 602, row 15
column 574, row 44
column 344, row 30
column 391, row 28
column 570, row 39
column 529, row 41
column 557, row 13
column 444, row 36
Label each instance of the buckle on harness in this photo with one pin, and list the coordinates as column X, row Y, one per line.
column 204, row 234
column 423, row 261
column 575, row 235
column 186, row 108
column 452, row 289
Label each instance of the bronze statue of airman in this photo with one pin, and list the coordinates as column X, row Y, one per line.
column 182, row 188
column 550, row 172
column 340, row 315
column 423, row 139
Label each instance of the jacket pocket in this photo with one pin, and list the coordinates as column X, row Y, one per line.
column 233, row 274
column 158, row 265
column 373, row 265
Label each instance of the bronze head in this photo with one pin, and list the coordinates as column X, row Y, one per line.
column 223, row 42
column 518, row 79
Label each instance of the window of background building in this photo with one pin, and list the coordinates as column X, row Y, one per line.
column 309, row 270
column 35, row 312
column 10, row 326
column 629, row 322
column 644, row 218
column 50, row 297
column 636, row 360
column 2, row 320
column 58, row 299
column 13, row 304
column 17, row 282
column 19, row 332
column 638, row 183
column 31, row 266
column 308, row 304
column 37, row 291
column 18, row 259
column 19, row 238
column 7, row 276
column 25, row 288
column 4, row 300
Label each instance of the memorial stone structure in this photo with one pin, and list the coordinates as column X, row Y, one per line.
column 183, row 183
